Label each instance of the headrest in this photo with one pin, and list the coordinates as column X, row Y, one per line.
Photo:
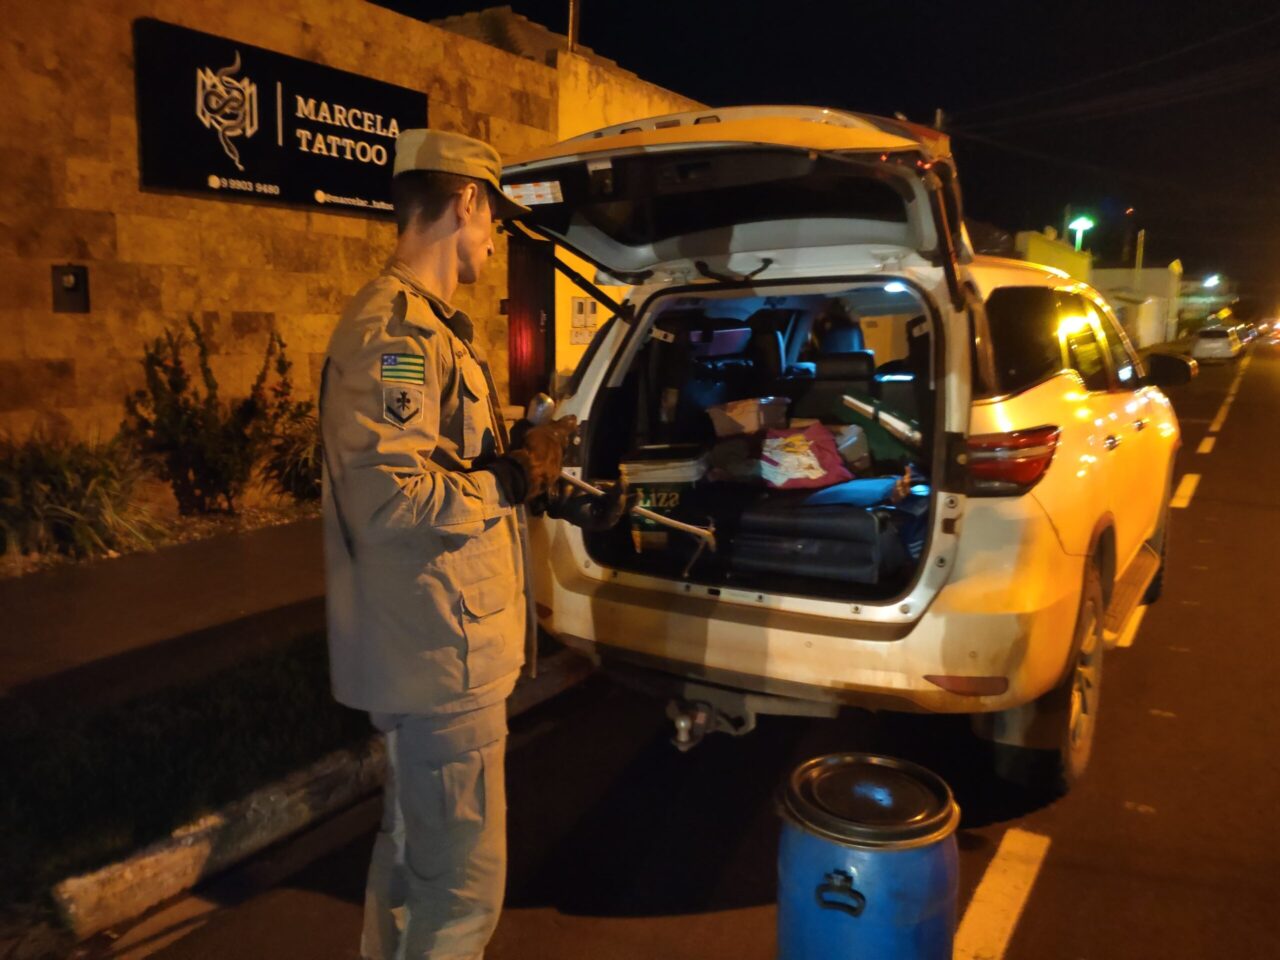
column 856, row 365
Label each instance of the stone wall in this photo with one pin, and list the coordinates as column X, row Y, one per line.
column 69, row 140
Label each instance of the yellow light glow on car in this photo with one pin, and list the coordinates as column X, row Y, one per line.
column 1069, row 326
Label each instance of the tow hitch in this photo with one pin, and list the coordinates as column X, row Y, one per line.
column 695, row 719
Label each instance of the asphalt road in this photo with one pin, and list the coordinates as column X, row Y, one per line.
column 623, row 848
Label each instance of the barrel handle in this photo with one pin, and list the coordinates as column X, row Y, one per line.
column 836, row 893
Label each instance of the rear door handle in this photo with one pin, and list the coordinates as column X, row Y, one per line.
column 1111, row 442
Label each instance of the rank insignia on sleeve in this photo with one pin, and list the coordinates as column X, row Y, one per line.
column 403, row 368
column 401, row 405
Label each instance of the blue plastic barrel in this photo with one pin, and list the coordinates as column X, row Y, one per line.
column 867, row 862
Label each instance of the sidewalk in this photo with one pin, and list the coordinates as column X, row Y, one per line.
column 113, row 630
column 140, row 681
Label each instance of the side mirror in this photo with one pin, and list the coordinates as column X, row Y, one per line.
column 1166, row 370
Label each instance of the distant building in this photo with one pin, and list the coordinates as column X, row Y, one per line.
column 1146, row 301
column 1205, row 298
column 1047, row 249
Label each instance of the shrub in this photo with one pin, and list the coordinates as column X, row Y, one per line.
column 204, row 447
column 294, row 456
column 293, row 451
column 70, row 497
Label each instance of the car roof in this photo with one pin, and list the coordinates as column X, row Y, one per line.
column 991, row 273
column 809, row 128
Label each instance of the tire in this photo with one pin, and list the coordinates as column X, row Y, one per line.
column 1155, row 589
column 1054, row 740
column 1075, row 701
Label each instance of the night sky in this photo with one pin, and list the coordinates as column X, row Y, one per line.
column 1171, row 109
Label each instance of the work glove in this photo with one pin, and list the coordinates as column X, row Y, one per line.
column 590, row 512
column 531, row 469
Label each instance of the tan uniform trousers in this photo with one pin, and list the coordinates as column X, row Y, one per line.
column 439, row 866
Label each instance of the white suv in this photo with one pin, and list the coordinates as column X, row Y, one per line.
column 1216, row 343
column 998, row 500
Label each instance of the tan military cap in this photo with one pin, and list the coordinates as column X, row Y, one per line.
column 422, row 149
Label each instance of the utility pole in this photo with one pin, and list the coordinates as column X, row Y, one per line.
column 1137, row 258
column 575, row 10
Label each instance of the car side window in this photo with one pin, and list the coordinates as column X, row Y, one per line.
column 1023, row 324
column 1084, row 352
column 1128, row 373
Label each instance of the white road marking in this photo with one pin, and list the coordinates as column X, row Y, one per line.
column 1221, row 418
column 1206, row 445
column 1186, row 490
column 1163, row 714
column 993, row 913
column 1131, row 629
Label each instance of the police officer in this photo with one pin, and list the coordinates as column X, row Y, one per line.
column 425, row 567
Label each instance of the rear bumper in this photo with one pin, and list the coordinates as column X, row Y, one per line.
column 1007, row 611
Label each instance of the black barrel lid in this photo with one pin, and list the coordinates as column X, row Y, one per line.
column 868, row 800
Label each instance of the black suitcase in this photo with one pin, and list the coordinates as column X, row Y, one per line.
column 845, row 544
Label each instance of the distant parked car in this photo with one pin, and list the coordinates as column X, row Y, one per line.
column 1216, row 343
column 1247, row 333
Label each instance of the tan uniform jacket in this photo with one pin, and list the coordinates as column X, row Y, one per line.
column 425, row 573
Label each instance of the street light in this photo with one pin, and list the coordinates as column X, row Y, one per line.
column 1212, row 280
column 1080, row 225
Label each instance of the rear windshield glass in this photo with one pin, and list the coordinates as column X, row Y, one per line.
column 1024, row 336
column 1213, row 334
column 640, row 200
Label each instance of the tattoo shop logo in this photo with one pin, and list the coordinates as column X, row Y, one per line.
column 228, row 105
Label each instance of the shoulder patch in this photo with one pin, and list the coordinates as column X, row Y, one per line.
column 401, row 405
column 404, row 368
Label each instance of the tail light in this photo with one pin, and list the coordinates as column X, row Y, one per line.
column 1004, row 464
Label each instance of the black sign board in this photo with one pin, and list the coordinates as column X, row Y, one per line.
column 217, row 117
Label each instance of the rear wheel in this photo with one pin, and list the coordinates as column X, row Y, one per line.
column 1080, row 693
column 1046, row 744
column 1156, row 587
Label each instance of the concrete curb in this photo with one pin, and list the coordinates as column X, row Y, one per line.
column 121, row 891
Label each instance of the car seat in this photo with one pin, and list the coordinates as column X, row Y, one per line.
column 834, row 375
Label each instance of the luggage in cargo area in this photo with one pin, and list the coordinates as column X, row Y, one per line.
column 732, row 414
column 844, row 544
column 662, row 475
